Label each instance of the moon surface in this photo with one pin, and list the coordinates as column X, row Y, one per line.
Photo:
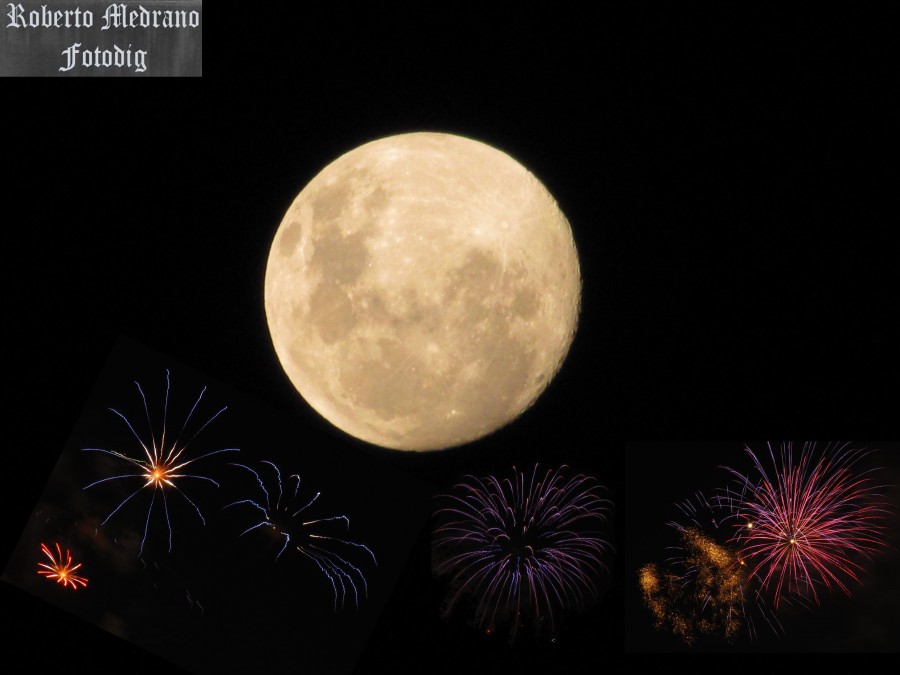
column 422, row 291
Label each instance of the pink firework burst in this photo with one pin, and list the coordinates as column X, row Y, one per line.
column 807, row 523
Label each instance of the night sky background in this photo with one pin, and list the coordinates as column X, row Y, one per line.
column 726, row 179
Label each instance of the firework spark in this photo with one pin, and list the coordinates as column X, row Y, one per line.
column 62, row 572
column 706, row 597
column 284, row 516
column 522, row 544
column 705, row 589
column 806, row 524
column 162, row 465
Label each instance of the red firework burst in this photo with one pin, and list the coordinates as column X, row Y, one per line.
column 62, row 572
column 808, row 523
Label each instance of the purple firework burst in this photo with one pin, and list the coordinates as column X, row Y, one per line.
column 807, row 522
column 522, row 545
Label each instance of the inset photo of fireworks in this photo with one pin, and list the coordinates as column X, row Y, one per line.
column 766, row 546
column 524, row 561
column 200, row 526
column 518, row 550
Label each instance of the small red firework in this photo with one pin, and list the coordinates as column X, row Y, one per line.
column 63, row 572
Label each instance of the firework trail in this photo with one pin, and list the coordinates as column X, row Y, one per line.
column 162, row 464
column 523, row 544
column 805, row 523
column 284, row 515
column 62, row 572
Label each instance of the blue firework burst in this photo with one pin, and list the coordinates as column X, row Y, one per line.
column 524, row 546
column 288, row 515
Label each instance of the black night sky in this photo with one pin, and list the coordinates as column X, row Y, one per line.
column 725, row 176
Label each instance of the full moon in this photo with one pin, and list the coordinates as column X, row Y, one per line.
column 422, row 291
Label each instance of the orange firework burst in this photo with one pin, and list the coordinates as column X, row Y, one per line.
column 63, row 572
column 161, row 468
